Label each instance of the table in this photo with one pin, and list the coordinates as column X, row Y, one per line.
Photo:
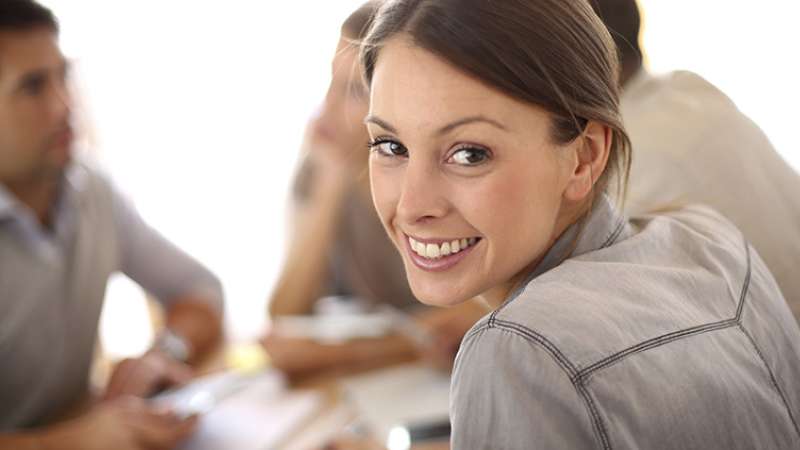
column 335, row 414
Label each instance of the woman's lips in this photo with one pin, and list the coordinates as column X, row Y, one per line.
column 441, row 263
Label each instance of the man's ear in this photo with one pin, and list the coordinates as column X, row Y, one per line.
column 591, row 149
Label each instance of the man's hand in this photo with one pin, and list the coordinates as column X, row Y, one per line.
column 125, row 423
column 145, row 376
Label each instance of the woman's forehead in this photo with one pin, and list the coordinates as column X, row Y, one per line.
column 414, row 87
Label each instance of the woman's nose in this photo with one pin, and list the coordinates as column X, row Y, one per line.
column 421, row 196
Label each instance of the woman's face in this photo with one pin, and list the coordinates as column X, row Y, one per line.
column 466, row 180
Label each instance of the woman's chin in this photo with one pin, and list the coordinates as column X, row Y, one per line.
column 438, row 297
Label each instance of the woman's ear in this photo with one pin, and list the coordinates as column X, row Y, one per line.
column 592, row 149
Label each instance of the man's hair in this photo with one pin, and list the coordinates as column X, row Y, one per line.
column 23, row 15
column 623, row 21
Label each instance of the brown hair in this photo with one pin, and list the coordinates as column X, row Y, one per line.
column 357, row 24
column 555, row 54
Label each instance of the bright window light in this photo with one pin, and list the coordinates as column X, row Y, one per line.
column 747, row 49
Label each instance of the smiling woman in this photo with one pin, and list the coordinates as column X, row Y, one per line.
column 472, row 138
column 495, row 135
column 468, row 166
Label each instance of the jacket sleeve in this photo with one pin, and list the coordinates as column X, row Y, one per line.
column 509, row 392
column 156, row 264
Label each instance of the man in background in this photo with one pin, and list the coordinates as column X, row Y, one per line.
column 64, row 230
column 692, row 145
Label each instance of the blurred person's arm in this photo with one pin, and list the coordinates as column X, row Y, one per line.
column 122, row 424
column 314, row 231
column 191, row 295
column 446, row 328
column 327, row 176
column 299, row 357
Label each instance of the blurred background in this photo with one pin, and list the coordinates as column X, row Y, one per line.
column 197, row 110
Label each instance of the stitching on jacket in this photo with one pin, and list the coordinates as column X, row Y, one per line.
column 599, row 427
column 653, row 343
column 614, row 234
column 772, row 378
column 537, row 339
column 675, row 335
column 492, row 317
column 531, row 335
column 474, row 332
column 746, row 285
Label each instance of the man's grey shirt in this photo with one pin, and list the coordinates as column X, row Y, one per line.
column 664, row 332
column 52, row 284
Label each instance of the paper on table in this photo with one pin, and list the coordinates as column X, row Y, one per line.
column 334, row 328
column 257, row 417
column 345, row 326
column 407, row 394
column 325, row 428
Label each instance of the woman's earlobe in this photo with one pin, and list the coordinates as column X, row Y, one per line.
column 581, row 182
column 592, row 152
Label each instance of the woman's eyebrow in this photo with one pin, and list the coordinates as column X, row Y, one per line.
column 445, row 129
column 380, row 122
column 468, row 120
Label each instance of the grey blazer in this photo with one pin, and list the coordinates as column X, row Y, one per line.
column 662, row 332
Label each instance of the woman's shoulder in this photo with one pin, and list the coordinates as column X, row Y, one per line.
column 670, row 273
column 653, row 320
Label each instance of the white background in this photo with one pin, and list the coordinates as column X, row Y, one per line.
column 197, row 109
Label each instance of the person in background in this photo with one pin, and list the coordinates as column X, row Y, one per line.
column 693, row 145
column 64, row 229
column 495, row 130
column 338, row 246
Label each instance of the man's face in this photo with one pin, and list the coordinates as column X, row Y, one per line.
column 35, row 131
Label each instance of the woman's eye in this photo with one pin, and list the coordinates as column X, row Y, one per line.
column 470, row 156
column 388, row 148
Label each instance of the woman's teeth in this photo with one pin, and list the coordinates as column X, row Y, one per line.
column 434, row 251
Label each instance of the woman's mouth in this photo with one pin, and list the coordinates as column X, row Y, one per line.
column 436, row 255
